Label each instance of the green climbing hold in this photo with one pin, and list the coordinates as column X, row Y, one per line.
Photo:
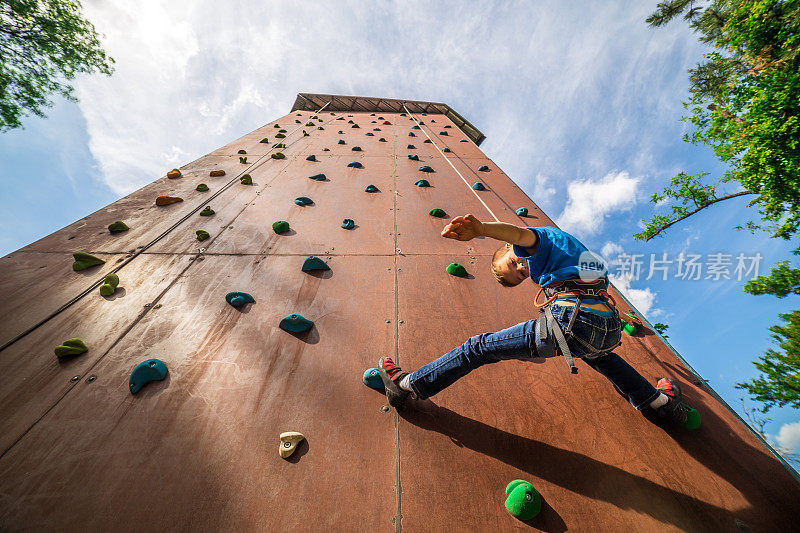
column 202, row 187
column 202, row 235
column 207, row 211
column 483, row 168
column 279, row 145
column 246, row 179
column 692, row 417
column 348, row 223
column 118, row 227
column 243, row 160
column 413, row 157
column 297, row 121
column 478, row 186
column 436, row 212
column 71, row 348
column 522, row 211
column 276, row 126
column 326, row 149
column 371, row 188
column 295, row 323
column 281, row 131
column 84, row 261
column 411, row 147
column 422, row 183
column 110, row 285
column 303, row 200
column 372, row 379
column 320, row 128
column 312, row 157
column 455, row 269
column 309, row 123
column 280, row 226
column 264, row 140
column 145, row 372
column 277, row 155
column 317, row 177
column 242, row 152
column 356, row 149
column 630, row 329
column 355, row 164
column 238, row 299
column 312, row 262
column 280, row 136
column 341, row 141
column 522, row 500
column 381, row 140
column 425, row 168
column 446, row 149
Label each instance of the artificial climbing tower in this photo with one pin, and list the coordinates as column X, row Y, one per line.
column 91, row 439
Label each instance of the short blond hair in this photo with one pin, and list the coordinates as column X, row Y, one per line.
column 496, row 268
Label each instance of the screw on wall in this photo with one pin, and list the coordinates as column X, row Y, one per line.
column 75, row 378
column 91, row 378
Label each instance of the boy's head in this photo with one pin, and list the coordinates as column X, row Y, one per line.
column 507, row 268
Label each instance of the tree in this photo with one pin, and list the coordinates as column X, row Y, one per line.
column 42, row 44
column 757, row 423
column 661, row 329
column 744, row 104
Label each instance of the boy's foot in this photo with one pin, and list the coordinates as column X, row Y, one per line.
column 673, row 410
column 391, row 374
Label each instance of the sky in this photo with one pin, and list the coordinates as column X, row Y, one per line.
column 580, row 103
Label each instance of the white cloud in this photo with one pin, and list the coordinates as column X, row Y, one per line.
column 788, row 437
column 589, row 202
column 641, row 299
column 543, row 190
column 611, row 250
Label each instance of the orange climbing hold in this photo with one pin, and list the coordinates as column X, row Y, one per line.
column 167, row 200
column 174, row 173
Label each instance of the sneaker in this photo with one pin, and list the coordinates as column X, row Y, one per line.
column 391, row 374
column 673, row 410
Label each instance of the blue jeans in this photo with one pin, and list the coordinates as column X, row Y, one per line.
column 519, row 342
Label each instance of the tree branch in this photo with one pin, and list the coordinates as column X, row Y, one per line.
column 703, row 206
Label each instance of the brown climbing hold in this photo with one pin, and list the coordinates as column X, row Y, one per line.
column 289, row 442
column 174, row 173
column 166, row 200
column 216, row 173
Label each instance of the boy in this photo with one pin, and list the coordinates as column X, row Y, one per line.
column 549, row 257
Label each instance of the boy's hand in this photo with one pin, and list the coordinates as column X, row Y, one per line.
column 463, row 228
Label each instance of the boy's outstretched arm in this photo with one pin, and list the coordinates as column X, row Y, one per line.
column 468, row 227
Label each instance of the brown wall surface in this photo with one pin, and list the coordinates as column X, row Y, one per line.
column 198, row 451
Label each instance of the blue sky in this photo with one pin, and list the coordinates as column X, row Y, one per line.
column 580, row 104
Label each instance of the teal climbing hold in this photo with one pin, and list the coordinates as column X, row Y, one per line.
column 483, row 168
column 341, row 141
column 411, row 134
column 109, row 285
column 295, row 323
column 202, row 235
column 424, row 114
column 369, row 134
column 422, row 183
column 348, row 223
column 313, row 262
column 356, row 149
column 446, row 149
column 238, row 299
column 463, row 141
column 456, row 269
column 371, row 188
column 411, row 147
column 414, row 127
column 436, row 212
column 478, row 186
column 145, row 372
column 70, row 348
column 202, row 187
column 355, row 164
column 522, row 211
column 376, row 129
column 427, row 141
column 340, row 132
column 413, row 157
column 425, row 168
column 522, row 500
column 448, row 126
column 118, row 227
column 318, row 177
column 303, row 200
column 280, row 226
column 381, row 140
column 84, row 261
column 355, row 126
column 312, row 157
column 442, row 133
column 372, row 379
column 373, row 121
column 402, row 114
column 433, row 120
column 350, row 122
column 421, row 122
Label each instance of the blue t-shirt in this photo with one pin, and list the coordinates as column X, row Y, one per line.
column 560, row 256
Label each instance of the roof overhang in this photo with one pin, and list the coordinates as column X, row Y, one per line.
column 336, row 102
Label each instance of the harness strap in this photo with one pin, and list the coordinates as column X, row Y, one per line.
column 562, row 341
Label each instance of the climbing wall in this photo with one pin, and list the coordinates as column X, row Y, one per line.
column 199, row 450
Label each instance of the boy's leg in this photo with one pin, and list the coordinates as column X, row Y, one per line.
column 639, row 392
column 516, row 342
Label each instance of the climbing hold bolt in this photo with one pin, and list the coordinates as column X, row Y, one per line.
column 348, row 223
column 371, row 188
column 277, row 155
column 425, row 168
column 413, row 157
column 289, row 442
column 303, row 200
column 216, row 173
column 110, row 285
column 238, row 299
column 312, row 262
column 318, row 177
column 207, row 211
column 455, row 269
column 355, row 164
column 174, row 173
column 202, row 235
column 372, row 379
column 242, row 152
column 422, row 183
column 522, row 500
column 202, row 187
column 84, row 261
column 145, row 372
column 117, row 227
column 246, row 179
column 436, row 212
column 312, row 157
column 280, row 226
column 483, row 168
column 71, row 348
column 478, row 186
column 295, row 323
column 522, row 211
column 167, row 200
